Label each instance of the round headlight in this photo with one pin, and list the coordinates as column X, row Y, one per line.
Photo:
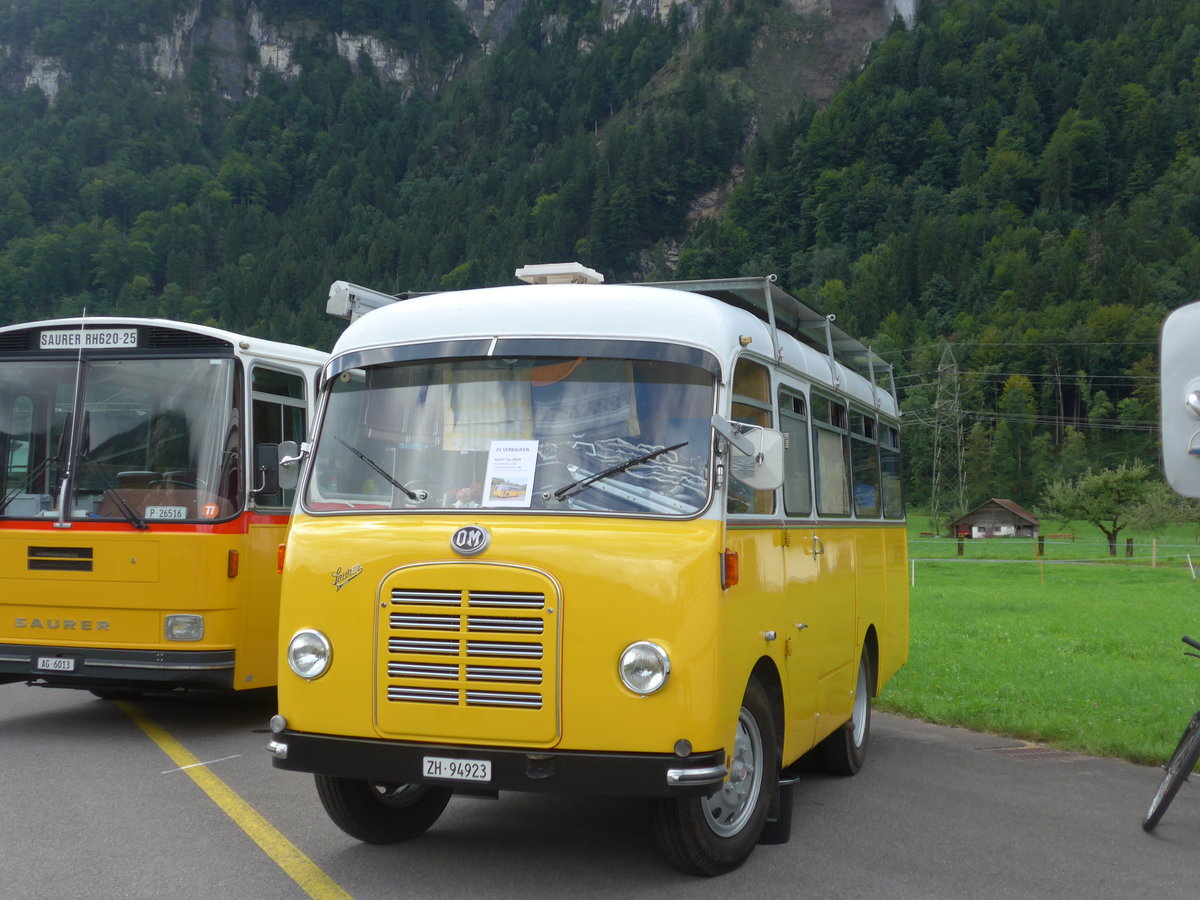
column 644, row 667
column 309, row 654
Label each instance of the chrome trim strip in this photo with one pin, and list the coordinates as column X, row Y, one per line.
column 163, row 667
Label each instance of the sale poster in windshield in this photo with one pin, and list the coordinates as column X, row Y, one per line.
column 508, row 481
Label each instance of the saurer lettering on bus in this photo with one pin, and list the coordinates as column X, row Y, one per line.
column 64, row 624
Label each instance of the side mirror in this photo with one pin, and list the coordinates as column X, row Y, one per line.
column 1180, row 399
column 266, row 469
column 289, row 465
column 757, row 459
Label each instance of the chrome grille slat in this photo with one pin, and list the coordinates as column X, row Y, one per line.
column 423, row 695
column 422, row 645
column 502, row 673
column 435, row 598
column 425, row 620
column 505, row 623
column 422, row 670
column 504, row 698
column 509, row 600
column 510, row 649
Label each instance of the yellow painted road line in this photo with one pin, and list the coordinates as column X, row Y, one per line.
column 302, row 870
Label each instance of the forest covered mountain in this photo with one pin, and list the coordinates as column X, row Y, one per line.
column 1001, row 196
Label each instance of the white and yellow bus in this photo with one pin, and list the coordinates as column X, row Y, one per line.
column 140, row 517
column 644, row 540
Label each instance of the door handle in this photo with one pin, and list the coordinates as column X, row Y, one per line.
column 818, row 547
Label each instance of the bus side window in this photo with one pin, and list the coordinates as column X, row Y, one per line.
column 752, row 405
column 797, row 480
column 278, row 415
column 889, row 458
column 831, row 456
column 864, row 455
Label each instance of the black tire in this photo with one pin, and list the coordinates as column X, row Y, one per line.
column 1181, row 765
column 378, row 813
column 714, row 835
column 845, row 751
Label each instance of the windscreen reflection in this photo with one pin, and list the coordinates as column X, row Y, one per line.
column 535, row 433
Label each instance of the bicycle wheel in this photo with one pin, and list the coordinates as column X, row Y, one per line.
column 1182, row 762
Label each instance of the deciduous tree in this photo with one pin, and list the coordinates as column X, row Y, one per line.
column 1105, row 499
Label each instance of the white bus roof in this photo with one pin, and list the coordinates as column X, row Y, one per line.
column 722, row 316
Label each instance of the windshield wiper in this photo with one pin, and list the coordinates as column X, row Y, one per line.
column 114, row 494
column 412, row 495
column 582, row 484
column 125, row 509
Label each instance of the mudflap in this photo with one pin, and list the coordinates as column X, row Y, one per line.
column 778, row 827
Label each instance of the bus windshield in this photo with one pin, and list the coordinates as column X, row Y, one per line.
column 552, row 434
column 157, row 439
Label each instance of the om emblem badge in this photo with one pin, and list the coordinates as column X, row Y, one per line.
column 470, row 540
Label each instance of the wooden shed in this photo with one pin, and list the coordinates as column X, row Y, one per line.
column 996, row 518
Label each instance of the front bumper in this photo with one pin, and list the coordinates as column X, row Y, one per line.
column 93, row 667
column 558, row 772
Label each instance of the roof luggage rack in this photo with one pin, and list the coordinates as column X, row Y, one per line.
column 762, row 297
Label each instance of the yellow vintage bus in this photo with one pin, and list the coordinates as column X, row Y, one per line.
column 140, row 516
column 644, row 540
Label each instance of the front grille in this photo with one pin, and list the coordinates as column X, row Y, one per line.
column 446, row 647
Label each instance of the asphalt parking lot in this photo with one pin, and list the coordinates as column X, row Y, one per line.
column 177, row 797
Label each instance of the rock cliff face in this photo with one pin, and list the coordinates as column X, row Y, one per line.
column 241, row 45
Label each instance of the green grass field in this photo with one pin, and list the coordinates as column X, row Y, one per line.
column 1081, row 655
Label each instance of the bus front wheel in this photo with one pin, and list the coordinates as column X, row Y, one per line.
column 713, row 835
column 379, row 813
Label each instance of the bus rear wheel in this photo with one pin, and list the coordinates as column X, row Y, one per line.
column 379, row 813
column 844, row 751
column 713, row 835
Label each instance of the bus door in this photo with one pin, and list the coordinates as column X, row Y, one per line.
column 778, row 563
column 821, row 559
column 800, row 567
column 278, row 404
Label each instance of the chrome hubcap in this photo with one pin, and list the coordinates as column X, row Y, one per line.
column 728, row 810
column 861, row 699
